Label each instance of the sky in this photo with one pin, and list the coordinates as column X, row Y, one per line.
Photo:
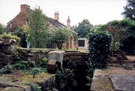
column 96, row 11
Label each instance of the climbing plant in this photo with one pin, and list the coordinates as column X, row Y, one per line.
column 99, row 48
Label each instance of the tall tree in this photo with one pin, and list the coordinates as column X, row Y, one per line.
column 84, row 28
column 130, row 9
column 37, row 35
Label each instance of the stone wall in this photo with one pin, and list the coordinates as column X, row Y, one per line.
column 48, row 84
column 32, row 54
column 7, row 48
column 77, row 61
column 38, row 54
column 75, row 56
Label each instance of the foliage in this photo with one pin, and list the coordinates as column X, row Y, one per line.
column 75, row 37
column 72, row 31
column 35, row 71
column 59, row 36
column 99, row 27
column 65, row 79
column 37, row 35
column 84, row 28
column 2, row 28
column 119, row 31
column 51, row 89
column 130, row 9
column 98, row 30
column 118, row 35
column 43, row 62
column 10, row 36
column 125, row 24
column 28, row 66
column 99, row 48
column 128, row 45
column 22, row 34
column 129, row 26
column 6, row 69
column 19, row 64
column 34, row 87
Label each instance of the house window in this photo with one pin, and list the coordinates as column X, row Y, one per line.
column 81, row 43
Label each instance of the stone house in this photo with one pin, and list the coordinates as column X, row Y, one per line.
column 21, row 19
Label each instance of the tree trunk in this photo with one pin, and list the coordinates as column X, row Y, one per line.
column 34, row 75
column 59, row 46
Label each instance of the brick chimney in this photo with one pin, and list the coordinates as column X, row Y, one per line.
column 24, row 8
column 56, row 16
column 68, row 22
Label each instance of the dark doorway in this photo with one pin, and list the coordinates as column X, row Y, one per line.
column 81, row 43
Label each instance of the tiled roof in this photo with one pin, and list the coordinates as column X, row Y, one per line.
column 22, row 17
column 54, row 22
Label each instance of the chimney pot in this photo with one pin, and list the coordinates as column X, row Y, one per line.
column 24, row 8
column 68, row 22
column 56, row 15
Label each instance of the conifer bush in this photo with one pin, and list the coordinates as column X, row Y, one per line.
column 99, row 48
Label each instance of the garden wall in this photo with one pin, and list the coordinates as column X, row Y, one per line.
column 39, row 54
column 8, row 49
column 75, row 57
column 32, row 54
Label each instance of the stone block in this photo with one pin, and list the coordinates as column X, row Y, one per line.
column 101, row 82
column 123, row 82
column 52, row 67
column 56, row 55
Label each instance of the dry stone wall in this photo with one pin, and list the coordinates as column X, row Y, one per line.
column 32, row 54
column 7, row 48
column 75, row 56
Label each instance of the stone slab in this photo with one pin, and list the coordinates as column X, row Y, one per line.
column 13, row 89
column 51, row 67
column 123, row 82
column 100, row 81
column 56, row 55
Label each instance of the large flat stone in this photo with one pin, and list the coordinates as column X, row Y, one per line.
column 123, row 82
column 56, row 55
column 13, row 89
column 100, row 81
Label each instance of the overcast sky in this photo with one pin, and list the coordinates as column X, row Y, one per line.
column 96, row 11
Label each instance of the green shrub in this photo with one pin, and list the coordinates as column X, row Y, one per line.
column 2, row 28
column 99, row 48
column 44, row 62
column 65, row 79
column 34, row 87
column 6, row 69
column 20, row 32
column 19, row 63
column 35, row 71
column 10, row 36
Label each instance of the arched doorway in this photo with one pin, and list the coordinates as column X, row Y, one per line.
column 71, row 42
